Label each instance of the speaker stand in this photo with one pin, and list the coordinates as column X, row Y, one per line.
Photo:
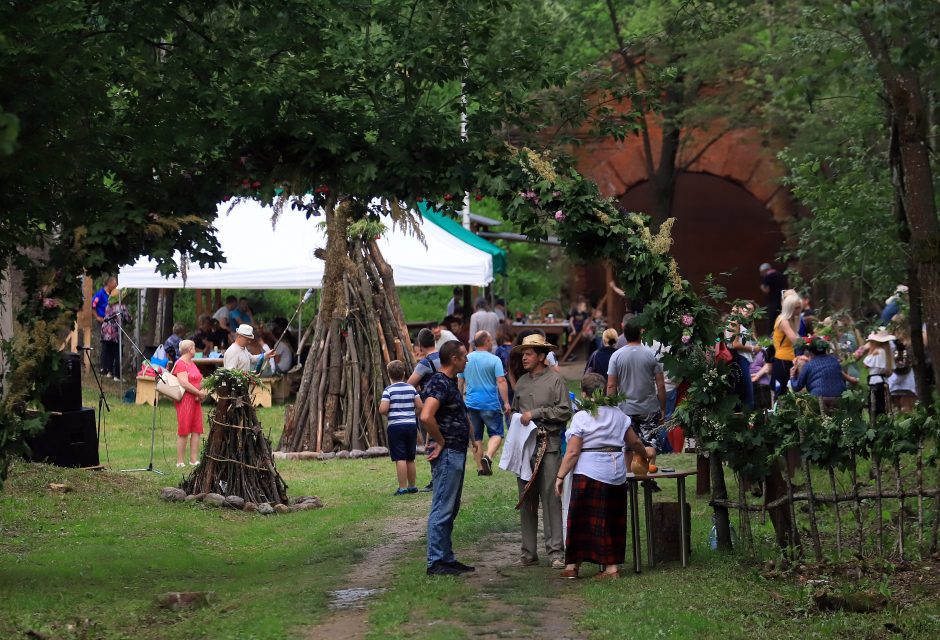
column 153, row 437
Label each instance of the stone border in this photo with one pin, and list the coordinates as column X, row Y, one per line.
column 355, row 454
column 301, row 503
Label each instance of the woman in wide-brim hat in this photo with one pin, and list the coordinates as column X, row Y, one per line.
column 880, row 362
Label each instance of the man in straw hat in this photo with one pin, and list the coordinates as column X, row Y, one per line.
column 237, row 355
column 541, row 396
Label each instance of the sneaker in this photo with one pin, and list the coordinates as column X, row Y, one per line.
column 558, row 563
column 194, row 464
column 525, row 562
column 487, row 463
column 180, row 465
column 412, row 490
column 401, row 492
column 441, row 569
column 116, row 379
column 461, row 567
column 569, row 574
column 481, row 472
column 429, row 487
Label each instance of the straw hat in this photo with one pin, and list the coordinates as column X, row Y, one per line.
column 535, row 341
column 880, row 336
column 246, row 331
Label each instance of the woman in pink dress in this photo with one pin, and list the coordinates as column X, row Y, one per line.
column 188, row 410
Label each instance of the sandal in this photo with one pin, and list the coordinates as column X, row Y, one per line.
column 569, row 574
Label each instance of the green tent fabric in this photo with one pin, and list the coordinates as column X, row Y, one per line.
column 454, row 228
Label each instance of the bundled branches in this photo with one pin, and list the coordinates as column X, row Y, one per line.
column 237, row 458
column 356, row 334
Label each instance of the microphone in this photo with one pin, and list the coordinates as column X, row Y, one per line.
column 307, row 296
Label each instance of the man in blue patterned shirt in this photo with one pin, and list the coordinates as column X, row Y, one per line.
column 444, row 416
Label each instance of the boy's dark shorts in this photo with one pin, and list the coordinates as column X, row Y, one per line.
column 402, row 442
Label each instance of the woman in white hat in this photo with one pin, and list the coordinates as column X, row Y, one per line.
column 880, row 362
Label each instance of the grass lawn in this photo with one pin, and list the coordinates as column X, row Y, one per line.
column 89, row 563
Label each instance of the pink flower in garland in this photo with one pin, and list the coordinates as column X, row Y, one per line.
column 688, row 320
column 560, row 215
column 50, row 303
column 686, row 339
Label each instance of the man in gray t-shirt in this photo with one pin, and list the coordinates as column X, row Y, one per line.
column 635, row 372
column 484, row 320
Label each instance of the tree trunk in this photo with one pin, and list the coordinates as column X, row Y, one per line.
column 359, row 328
column 908, row 109
column 915, row 297
column 720, row 492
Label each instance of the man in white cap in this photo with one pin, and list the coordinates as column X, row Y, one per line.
column 237, row 355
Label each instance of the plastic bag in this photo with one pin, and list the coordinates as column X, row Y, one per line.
column 159, row 357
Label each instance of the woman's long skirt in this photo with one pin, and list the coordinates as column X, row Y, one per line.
column 597, row 522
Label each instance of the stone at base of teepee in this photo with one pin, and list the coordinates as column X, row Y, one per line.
column 214, row 499
column 179, row 600
column 172, row 494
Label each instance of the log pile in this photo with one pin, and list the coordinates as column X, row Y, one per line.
column 359, row 329
column 236, row 459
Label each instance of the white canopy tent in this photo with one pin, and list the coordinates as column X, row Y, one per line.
column 261, row 257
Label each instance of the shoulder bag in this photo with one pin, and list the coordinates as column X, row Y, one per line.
column 169, row 385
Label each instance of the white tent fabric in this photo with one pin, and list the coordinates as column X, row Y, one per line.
column 261, row 257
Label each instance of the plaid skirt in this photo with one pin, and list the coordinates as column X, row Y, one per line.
column 597, row 522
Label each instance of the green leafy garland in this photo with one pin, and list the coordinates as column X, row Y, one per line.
column 598, row 399
column 235, row 379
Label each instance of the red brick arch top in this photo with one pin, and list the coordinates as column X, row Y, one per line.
column 738, row 155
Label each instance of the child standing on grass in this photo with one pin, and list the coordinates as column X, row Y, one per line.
column 400, row 400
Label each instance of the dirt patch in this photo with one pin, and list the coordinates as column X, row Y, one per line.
column 348, row 619
column 516, row 602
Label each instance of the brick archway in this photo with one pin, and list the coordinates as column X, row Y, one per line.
column 727, row 177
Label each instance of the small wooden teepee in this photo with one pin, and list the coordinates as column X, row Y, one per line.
column 236, row 459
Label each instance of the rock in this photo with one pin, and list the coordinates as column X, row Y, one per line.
column 235, row 502
column 280, row 455
column 58, row 487
column 191, row 498
column 357, row 453
column 377, row 452
column 214, row 499
column 327, row 456
column 265, row 509
column 251, row 507
column 312, row 500
column 306, row 506
column 857, row 602
column 200, row 497
column 179, row 600
column 281, row 508
column 172, row 494
column 342, row 454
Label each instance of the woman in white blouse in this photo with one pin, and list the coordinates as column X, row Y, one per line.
column 597, row 512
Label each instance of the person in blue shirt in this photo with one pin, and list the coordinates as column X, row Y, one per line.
column 487, row 399
column 819, row 373
column 99, row 305
column 241, row 314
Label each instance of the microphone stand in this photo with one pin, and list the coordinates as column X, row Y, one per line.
column 102, row 399
column 153, row 422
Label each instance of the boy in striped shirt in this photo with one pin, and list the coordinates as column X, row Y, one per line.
column 400, row 400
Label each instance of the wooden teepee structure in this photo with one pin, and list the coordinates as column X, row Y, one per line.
column 359, row 329
column 237, row 458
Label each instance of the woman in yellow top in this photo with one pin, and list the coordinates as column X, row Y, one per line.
column 785, row 336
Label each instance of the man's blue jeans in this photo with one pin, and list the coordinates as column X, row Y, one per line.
column 447, row 476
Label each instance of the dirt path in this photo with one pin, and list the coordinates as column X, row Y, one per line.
column 510, row 602
column 348, row 619
column 506, row 606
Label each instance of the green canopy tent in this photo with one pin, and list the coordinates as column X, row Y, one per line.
column 455, row 229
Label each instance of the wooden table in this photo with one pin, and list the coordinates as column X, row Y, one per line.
column 550, row 328
column 634, row 483
column 207, row 365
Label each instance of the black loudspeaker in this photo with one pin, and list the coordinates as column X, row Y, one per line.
column 64, row 392
column 69, row 440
